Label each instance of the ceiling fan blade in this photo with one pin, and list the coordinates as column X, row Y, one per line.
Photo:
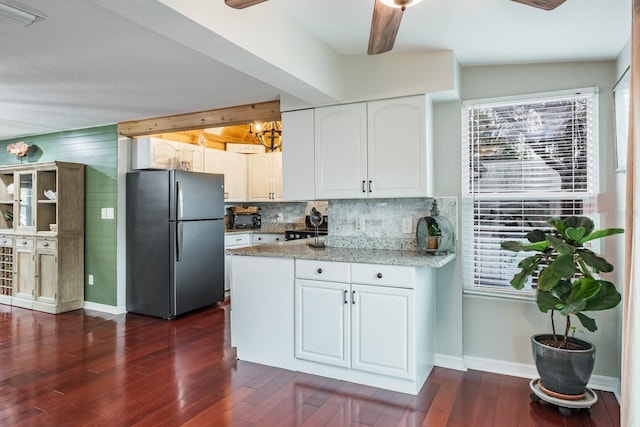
column 542, row 4
column 241, row 4
column 384, row 28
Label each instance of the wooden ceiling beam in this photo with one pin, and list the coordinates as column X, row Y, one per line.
column 243, row 114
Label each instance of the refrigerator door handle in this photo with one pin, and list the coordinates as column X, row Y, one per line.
column 179, row 201
column 179, row 232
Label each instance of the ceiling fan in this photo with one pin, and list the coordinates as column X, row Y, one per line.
column 542, row 4
column 384, row 24
column 387, row 15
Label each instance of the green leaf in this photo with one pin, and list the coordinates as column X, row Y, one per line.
column 536, row 236
column 573, row 308
column 520, row 247
column 546, row 301
column 560, row 245
column 520, row 278
column 580, row 221
column 574, row 234
column 564, row 266
column 548, row 279
column 562, row 290
column 601, row 233
column 528, row 262
column 594, row 261
column 608, row 297
column 583, row 289
column 587, row 322
column 558, row 224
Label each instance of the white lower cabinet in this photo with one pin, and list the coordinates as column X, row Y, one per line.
column 262, row 309
column 365, row 323
column 381, row 327
column 233, row 241
column 355, row 326
column 266, row 238
column 323, row 322
column 373, row 321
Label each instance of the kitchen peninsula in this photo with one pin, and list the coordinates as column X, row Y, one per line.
column 360, row 315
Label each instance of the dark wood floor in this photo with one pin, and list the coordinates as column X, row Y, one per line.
column 91, row 369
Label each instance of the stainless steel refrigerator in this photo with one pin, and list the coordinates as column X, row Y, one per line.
column 175, row 241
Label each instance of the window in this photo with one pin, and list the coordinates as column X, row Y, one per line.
column 524, row 160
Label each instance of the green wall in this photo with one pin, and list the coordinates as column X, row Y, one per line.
column 97, row 149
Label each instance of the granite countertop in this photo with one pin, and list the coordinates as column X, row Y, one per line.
column 299, row 249
column 254, row 231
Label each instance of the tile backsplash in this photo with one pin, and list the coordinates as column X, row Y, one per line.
column 293, row 213
column 369, row 224
column 377, row 223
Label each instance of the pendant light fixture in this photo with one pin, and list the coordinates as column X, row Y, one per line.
column 268, row 134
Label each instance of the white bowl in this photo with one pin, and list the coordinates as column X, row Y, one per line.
column 49, row 194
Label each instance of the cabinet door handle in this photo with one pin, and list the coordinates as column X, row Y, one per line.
column 363, row 190
column 319, row 271
column 45, row 244
column 370, row 186
column 345, row 297
column 379, row 275
column 353, row 297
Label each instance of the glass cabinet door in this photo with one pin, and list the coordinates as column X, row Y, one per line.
column 25, row 201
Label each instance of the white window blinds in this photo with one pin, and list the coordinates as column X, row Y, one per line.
column 524, row 161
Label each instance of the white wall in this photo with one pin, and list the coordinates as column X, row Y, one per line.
column 447, row 155
column 622, row 63
column 491, row 329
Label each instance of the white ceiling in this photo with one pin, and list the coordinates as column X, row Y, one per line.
column 88, row 65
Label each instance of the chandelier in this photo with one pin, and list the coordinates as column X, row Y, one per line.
column 268, row 134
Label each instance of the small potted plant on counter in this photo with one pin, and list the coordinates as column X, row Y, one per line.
column 434, row 235
column 567, row 283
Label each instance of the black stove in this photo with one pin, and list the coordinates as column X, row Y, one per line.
column 309, row 231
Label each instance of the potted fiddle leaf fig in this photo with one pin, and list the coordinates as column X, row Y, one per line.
column 567, row 283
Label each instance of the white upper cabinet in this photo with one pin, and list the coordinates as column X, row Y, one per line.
column 397, row 148
column 379, row 149
column 265, row 177
column 153, row 153
column 341, row 151
column 214, row 161
column 298, row 155
column 235, row 177
column 234, row 167
column 192, row 155
column 149, row 152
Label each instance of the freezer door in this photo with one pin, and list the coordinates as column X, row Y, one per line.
column 198, row 265
column 197, row 196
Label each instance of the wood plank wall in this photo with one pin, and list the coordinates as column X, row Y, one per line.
column 97, row 149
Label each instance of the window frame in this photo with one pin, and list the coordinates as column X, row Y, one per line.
column 469, row 196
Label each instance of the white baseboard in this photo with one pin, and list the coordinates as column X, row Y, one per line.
column 522, row 370
column 450, row 362
column 104, row 308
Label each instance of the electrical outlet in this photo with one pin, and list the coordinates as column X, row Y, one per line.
column 407, row 225
column 280, row 216
column 91, row 279
column 360, row 224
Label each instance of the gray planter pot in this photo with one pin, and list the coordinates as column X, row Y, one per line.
column 563, row 371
